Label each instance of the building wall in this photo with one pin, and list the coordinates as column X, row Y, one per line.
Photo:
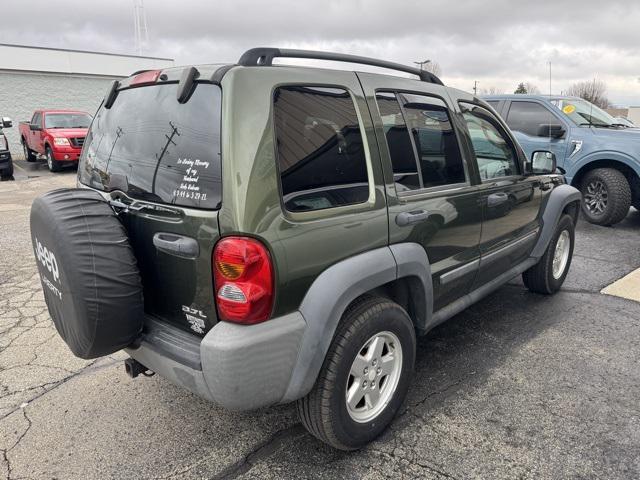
column 634, row 115
column 22, row 93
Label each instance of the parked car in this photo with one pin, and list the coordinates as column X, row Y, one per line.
column 56, row 134
column 288, row 239
column 6, row 163
column 598, row 154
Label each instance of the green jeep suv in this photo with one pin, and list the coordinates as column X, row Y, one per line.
column 263, row 234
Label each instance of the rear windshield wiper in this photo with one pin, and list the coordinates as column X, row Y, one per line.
column 135, row 206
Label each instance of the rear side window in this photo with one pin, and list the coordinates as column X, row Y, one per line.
column 154, row 148
column 421, row 141
column 320, row 149
column 526, row 117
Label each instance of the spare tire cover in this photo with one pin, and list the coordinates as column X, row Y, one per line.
column 89, row 274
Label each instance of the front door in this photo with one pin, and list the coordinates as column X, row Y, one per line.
column 510, row 199
column 432, row 197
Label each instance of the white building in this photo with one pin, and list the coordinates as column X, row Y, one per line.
column 32, row 78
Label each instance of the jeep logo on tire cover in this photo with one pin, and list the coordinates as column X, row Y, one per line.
column 48, row 260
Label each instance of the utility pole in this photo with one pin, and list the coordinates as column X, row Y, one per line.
column 422, row 64
column 550, row 78
column 475, row 87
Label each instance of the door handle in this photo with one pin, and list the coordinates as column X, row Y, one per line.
column 409, row 218
column 179, row 245
column 496, row 199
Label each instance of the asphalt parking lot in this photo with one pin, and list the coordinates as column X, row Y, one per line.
column 517, row 386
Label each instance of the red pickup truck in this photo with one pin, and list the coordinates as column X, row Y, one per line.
column 56, row 134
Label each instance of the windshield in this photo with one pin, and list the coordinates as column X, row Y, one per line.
column 67, row 120
column 584, row 113
column 153, row 148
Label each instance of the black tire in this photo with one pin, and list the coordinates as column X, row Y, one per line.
column 89, row 274
column 610, row 187
column 29, row 156
column 52, row 163
column 540, row 277
column 324, row 411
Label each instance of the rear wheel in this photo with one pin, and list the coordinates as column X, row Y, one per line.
column 548, row 275
column 29, row 156
column 52, row 163
column 365, row 375
column 606, row 196
column 7, row 174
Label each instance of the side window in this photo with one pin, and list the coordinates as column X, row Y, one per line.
column 526, row 117
column 320, row 149
column 435, row 141
column 37, row 119
column 495, row 153
column 494, row 104
column 401, row 151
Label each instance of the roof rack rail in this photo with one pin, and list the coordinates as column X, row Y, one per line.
column 263, row 57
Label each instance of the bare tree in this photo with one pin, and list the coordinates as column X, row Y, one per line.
column 490, row 91
column 594, row 91
column 531, row 88
column 433, row 67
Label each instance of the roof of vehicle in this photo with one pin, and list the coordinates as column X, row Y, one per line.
column 543, row 98
column 44, row 110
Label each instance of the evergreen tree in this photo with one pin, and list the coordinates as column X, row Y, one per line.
column 521, row 88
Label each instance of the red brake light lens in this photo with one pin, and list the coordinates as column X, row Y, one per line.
column 243, row 280
column 146, row 77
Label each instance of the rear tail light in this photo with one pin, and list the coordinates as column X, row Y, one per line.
column 243, row 280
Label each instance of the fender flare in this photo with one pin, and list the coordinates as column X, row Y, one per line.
column 334, row 290
column 558, row 199
column 613, row 155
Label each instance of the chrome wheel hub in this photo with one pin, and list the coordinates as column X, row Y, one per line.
column 561, row 254
column 596, row 197
column 49, row 160
column 373, row 377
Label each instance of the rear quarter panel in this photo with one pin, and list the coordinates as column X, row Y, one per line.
column 302, row 245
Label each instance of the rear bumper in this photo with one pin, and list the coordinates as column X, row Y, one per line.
column 241, row 367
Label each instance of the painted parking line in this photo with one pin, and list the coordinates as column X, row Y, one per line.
column 627, row 287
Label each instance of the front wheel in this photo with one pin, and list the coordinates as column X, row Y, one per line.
column 52, row 163
column 548, row 275
column 606, row 196
column 365, row 375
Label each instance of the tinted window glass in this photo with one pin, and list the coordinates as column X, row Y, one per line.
column 435, row 140
column 320, row 150
column 403, row 158
column 493, row 103
column 526, row 117
column 154, row 148
column 494, row 151
column 67, row 120
column 36, row 119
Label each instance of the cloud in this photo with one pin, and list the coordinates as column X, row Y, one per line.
column 496, row 42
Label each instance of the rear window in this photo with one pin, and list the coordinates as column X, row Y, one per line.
column 153, row 148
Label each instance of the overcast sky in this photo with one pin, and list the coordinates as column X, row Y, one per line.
column 499, row 43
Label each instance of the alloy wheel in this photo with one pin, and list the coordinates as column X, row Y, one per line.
column 373, row 377
column 596, row 197
column 561, row 254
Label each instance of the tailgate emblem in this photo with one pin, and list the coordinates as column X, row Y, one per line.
column 195, row 318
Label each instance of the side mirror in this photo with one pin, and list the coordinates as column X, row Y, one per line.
column 553, row 131
column 34, row 128
column 6, row 122
column 542, row 163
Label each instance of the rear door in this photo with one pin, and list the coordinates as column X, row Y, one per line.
column 35, row 136
column 510, row 199
column 164, row 156
column 432, row 193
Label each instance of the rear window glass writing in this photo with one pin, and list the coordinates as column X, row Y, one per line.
column 153, row 148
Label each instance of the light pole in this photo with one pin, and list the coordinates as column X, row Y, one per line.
column 422, row 64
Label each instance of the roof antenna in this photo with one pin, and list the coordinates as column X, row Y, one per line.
column 140, row 26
